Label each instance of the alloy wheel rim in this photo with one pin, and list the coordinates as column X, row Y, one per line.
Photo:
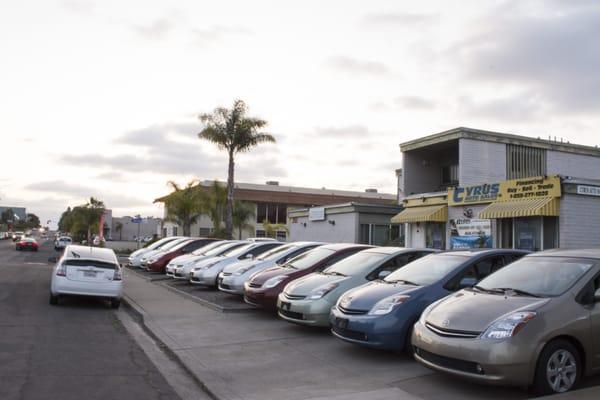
column 561, row 371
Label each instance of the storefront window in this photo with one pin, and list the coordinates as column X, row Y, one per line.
column 528, row 232
column 505, row 234
column 380, row 235
column 550, row 232
column 435, row 233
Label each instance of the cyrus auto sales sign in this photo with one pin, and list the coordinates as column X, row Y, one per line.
column 516, row 189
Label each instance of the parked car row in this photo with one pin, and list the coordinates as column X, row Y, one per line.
column 491, row 315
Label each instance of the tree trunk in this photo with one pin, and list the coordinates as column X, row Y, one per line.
column 229, row 206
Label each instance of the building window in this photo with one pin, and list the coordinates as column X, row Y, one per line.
column 435, row 235
column 449, row 175
column 164, row 232
column 282, row 214
column 273, row 212
column 261, row 212
column 281, row 236
column 378, row 235
column 524, row 161
column 205, row 232
column 260, row 233
column 174, row 231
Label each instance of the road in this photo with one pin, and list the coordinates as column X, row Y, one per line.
column 78, row 350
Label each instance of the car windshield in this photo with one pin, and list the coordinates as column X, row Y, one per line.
column 426, row 270
column 538, row 276
column 205, row 249
column 181, row 244
column 310, row 258
column 275, row 253
column 159, row 244
column 236, row 251
column 358, row 263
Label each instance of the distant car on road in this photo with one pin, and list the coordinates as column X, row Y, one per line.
column 27, row 244
column 17, row 236
column 87, row 271
column 62, row 242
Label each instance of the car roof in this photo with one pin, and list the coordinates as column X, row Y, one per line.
column 479, row 252
column 576, row 253
column 88, row 252
column 344, row 246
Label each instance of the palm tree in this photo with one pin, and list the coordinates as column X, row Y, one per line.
column 231, row 130
column 271, row 229
column 242, row 211
column 184, row 205
column 119, row 228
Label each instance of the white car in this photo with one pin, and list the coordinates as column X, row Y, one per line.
column 235, row 275
column 62, row 242
column 207, row 272
column 87, row 271
column 135, row 258
column 180, row 267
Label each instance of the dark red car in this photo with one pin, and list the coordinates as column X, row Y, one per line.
column 263, row 288
column 27, row 244
column 160, row 263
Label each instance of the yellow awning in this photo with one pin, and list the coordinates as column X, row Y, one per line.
column 547, row 206
column 437, row 213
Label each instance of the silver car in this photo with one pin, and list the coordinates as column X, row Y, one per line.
column 180, row 269
column 207, row 272
column 535, row 322
column 235, row 275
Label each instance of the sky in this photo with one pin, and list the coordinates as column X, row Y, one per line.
column 102, row 98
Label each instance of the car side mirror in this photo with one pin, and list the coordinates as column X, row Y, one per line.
column 597, row 296
column 467, row 282
column 383, row 274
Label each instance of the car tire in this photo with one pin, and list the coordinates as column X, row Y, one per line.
column 53, row 299
column 558, row 370
column 115, row 303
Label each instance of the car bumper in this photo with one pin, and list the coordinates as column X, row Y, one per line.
column 481, row 360
column 232, row 285
column 304, row 312
column 64, row 286
column 259, row 298
column 376, row 331
column 204, row 277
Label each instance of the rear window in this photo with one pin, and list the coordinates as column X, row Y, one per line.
column 91, row 263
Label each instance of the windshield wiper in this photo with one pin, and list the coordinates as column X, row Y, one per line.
column 334, row 273
column 518, row 292
column 404, row 281
column 481, row 289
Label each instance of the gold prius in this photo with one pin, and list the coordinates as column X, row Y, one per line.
column 533, row 323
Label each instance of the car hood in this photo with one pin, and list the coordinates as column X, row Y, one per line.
column 238, row 264
column 303, row 286
column 182, row 259
column 364, row 297
column 263, row 276
column 475, row 312
column 208, row 260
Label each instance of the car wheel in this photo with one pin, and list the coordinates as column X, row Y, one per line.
column 558, row 368
column 115, row 303
column 53, row 299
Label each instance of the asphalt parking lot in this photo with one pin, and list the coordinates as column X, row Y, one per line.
column 78, row 350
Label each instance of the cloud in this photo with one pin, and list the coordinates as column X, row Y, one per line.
column 112, row 176
column 217, row 34
column 414, row 102
column 521, row 107
column 396, row 19
column 80, row 7
column 347, row 131
column 357, row 67
column 156, row 30
column 553, row 54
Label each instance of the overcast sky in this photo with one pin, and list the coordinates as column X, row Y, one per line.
column 101, row 97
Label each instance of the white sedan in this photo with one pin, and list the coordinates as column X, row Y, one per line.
column 87, row 271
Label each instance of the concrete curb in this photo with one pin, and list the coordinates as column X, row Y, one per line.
column 140, row 316
column 150, row 278
column 206, row 303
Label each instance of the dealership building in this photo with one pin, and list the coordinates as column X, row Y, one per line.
column 472, row 188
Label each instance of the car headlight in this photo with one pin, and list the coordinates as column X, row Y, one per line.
column 272, row 282
column 508, row 326
column 386, row 305
column 319, row 292
column 206, row 266
column 427, row 310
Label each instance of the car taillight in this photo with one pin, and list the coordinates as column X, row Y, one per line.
column 118, row 275
column 61, row 270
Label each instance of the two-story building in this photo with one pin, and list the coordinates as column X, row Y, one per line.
column 473, row 188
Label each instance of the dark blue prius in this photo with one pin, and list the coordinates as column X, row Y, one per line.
column 381, row 313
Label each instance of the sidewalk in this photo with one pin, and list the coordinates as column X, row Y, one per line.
column 256, row 356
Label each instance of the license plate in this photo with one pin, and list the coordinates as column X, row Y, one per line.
column 285, row 305
column 341, row 323
column 89, row 274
